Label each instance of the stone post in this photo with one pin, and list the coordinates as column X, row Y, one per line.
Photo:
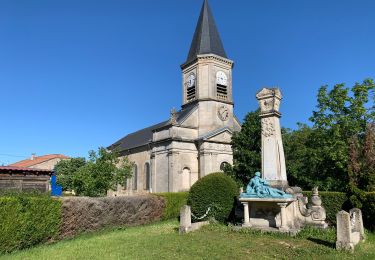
column 357, row 222
column 185, row 219
column 344, row 232
column 246, row 222
column 273, row 160
column 283, row 216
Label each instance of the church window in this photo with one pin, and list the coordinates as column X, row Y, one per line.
column 135, row 177
column 185, row 179
column 147, row 177
column 223, row 165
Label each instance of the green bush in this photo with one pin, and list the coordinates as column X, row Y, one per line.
column 173, row 203
column 333, row 202
column 27, row 220
column 217, row 191
column 368, row 210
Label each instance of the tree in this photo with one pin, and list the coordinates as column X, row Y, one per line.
column 320, row 155
column 246, row 146
column 65, row 170
column 362, row 161
column 100, row 173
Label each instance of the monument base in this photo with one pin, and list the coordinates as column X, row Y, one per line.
column 279, row 184
column 283, row 214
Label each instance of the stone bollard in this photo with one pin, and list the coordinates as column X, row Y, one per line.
column 357, row 224
column 350, row 229
column 185, row 219
column 344, row 232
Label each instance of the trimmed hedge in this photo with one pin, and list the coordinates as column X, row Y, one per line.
column 85, row 214
column 27, row 220
column 173, row 203
column 217, row 191
column 333, row 202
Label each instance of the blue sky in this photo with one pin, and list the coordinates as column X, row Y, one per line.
column 76, row 75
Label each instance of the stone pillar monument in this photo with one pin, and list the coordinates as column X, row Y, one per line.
column 273, row 160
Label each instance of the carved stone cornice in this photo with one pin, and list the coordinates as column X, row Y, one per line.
column 208, row 57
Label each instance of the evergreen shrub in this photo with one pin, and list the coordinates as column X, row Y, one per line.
column 27, row 220
column 173, row 202
column 333, row 202
column 217, row 191
column 368, row 211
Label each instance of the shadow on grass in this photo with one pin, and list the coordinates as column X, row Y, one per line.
column 321, row 242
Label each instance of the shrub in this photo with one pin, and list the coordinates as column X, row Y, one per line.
column 217, row 191
column 84, row 214
column 368, row 210
column 333, row 202
column 27, row 220
column 173, row 203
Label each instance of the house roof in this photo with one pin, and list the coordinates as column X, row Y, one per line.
column 206, row 38
column 144, row 136
column 23, row 170
column 37, row 160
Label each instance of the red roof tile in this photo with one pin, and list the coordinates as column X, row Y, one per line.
column 38, row 159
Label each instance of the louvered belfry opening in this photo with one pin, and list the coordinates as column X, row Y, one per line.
column 222, row 92
column 191, row 93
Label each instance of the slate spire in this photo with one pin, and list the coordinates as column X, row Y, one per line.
column 206, row 38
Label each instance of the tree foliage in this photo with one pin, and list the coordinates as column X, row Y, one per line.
column 66, row 170
column 319, row 155
column 246, row 146
column 93, row 177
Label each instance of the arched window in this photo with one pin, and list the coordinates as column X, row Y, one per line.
column 185, row 179
column 135, row 177
column 223, row 165
column 147, row 177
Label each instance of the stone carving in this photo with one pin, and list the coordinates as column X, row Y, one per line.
column 349, row 229
column 273, row 159
column 269, row 100
column 259, row 188
column 268, row 129
column 315, row 210
column 173, row 118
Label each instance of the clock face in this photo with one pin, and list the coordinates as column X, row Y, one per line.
column 190, row 81
column 223, row 113
column 221, row 78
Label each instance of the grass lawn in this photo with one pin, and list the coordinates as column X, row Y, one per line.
column 162, row 241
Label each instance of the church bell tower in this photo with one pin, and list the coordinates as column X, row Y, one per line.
column 207, row 75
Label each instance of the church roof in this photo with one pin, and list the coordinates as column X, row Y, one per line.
column 144, row 136
column 206, row 38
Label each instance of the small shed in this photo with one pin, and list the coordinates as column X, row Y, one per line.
column 24, row 179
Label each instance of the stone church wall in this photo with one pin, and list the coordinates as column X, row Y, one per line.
column 139, row 159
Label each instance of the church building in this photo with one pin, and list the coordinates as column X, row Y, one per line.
column 194, row 141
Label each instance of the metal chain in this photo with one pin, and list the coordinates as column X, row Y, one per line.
column 205, row 215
